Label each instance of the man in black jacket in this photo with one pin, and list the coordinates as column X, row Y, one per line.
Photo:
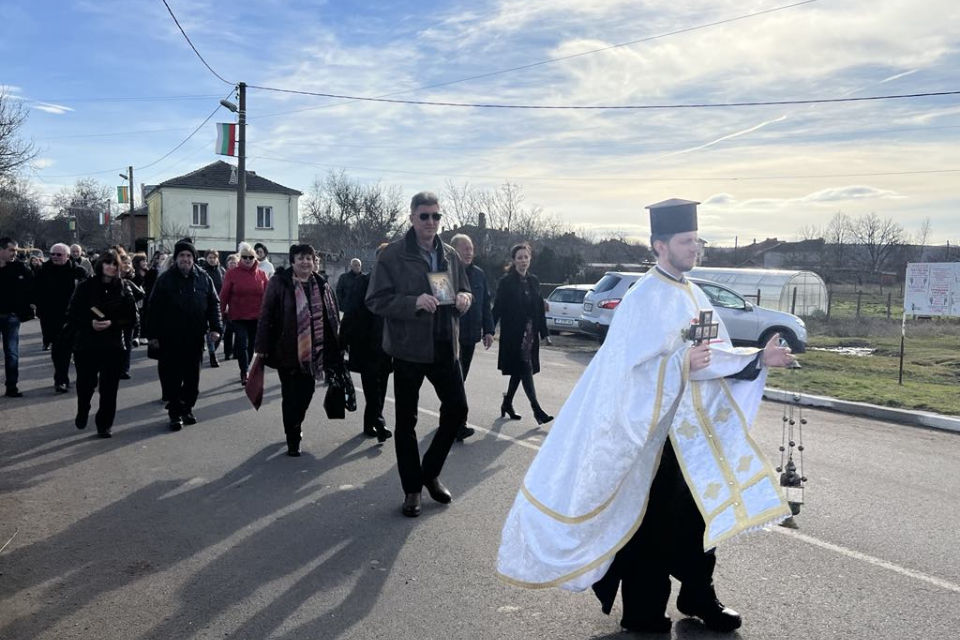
column 477, row 323
column 183, row 307
column 347, row 280
column 16, row 306
column 422, row 337
column 55, row 284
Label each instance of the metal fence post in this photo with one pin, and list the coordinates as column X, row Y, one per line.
column 793, row 304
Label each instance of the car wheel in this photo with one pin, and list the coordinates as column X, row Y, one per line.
column 786, row 336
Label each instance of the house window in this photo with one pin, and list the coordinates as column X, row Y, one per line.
column 199, row 214
column 264, row 217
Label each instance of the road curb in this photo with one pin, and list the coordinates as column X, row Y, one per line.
column 901, row 416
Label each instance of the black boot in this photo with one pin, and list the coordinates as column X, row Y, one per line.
column 214, row 363
column 506, row 409
column 293, row 443
column 703, row 603
column 541, row 416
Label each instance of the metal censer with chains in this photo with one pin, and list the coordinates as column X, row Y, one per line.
column 792, row 478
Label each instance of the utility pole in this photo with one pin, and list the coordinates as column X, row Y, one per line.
column 242, row 162
column 132, row 225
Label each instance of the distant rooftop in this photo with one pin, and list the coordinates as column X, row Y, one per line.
column 217, row 176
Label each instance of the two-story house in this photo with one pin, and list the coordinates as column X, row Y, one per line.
column 202, row 204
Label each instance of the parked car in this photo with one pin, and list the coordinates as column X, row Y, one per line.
column 747, row 323
column 564, row 306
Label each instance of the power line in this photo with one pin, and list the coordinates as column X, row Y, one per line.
column 146, row 166
column 568, row 57
column 539, row 107
column 599, row 179
column 117, row 133
column 126, row 99
column 191, row 44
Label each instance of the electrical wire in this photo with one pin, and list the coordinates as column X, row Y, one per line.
column 562, row 58
column 126, row 99
column 191, row 44
column 536, row 107
column 599, row 179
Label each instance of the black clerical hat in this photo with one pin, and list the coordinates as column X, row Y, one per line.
column 673, row 216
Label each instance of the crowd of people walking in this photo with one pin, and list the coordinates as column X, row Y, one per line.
column 418, row 315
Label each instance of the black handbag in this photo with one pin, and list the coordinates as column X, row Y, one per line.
column 341, row 395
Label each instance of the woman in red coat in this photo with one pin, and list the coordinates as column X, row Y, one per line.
column 240, row 298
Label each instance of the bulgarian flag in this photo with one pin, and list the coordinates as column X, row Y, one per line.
column 122, row 195
column 226, row 139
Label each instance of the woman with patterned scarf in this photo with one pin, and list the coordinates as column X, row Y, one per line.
column 297, row 336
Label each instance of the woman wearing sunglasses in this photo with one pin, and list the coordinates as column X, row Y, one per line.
column 100, row 310
column 240, row 298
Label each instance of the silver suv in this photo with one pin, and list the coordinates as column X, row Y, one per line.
column 747, row 323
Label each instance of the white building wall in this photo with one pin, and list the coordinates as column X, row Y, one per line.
column 176, row 214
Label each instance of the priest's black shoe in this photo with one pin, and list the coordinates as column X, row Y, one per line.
column 658, row 624
column 383, row 434
column 437, row 491
column 189, row 418
column 176, row 423
column 708, row 608
column 411, row 505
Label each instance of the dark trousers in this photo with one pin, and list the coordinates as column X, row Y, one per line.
column 466, row 357
column 444, row 374
column 245, row 333
column 668, row 543
column 526, row 379
column 374, row 379
column 10, row 332
column 61, row 349
column 227, row 338
column 50, row 325
column 99, row 370
column 180, row 374
column 296, row 392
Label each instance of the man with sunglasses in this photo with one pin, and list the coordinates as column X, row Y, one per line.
column 55, row 283
column 422, row 336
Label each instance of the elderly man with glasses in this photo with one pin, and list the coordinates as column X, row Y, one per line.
column 55, row 284
column 422, row 336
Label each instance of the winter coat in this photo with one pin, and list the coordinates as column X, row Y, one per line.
column 277, row 328
column 361, row 332
column 398, row 278
column 478, row 320
column 345, row 284
column 242, row 292
column 183, row 308
column 115, row 300
column 511, row 310
column 216, row 274
column 55, row 284
column 17, row 290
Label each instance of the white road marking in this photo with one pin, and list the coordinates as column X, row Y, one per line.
column 856, row 555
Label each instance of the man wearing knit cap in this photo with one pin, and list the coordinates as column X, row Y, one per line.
column 183, row 307
column 649, row 465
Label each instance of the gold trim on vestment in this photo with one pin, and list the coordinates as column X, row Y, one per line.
column 596, row 563
column 654, row 421
column 683, row 285
column 733, row 486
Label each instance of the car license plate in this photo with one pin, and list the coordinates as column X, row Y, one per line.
column 563, row 321
column 587, row 306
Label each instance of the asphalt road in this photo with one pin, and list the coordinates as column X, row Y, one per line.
column 213, row 532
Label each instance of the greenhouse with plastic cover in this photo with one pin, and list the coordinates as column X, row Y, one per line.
column 801, row 293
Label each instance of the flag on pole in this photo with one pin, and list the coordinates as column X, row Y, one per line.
column 226, row 139
column 123, row 195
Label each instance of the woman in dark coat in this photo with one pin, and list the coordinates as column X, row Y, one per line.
column 520, row 311
column 101, row 308
column 297, row 335
column 361, row 333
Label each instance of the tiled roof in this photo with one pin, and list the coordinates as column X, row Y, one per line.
column 217, row 176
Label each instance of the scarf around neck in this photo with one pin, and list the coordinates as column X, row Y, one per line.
column 310, row 334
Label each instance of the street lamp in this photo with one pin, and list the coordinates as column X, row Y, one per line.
column 241, row 112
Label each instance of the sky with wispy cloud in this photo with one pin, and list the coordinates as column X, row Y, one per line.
column 111, row 83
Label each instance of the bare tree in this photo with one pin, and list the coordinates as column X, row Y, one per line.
column 878, row 239
column 837, row 234
column 20, row 212
column 15, row 152
column 86, row 202
column 921, row 239
column 811, row 231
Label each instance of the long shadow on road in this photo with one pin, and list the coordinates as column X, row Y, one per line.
column 324, row 541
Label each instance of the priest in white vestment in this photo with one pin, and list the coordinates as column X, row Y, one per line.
column 650, row 463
